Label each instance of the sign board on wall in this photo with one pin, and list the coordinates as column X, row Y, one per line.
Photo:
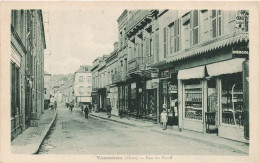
column 240, row 52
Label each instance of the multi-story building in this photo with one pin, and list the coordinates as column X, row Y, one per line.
column 202, row 58
column 27, row 69
column 192, row 63
column 112, row 67
column 83, row 85
column 98, row 92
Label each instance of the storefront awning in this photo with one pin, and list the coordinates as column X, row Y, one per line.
column 225, row 67
column 192, row 73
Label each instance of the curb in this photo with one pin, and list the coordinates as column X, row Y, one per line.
column 46, row 132
column 95, row 116
column 215, row 144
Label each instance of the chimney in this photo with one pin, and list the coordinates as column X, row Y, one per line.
column 115, row 45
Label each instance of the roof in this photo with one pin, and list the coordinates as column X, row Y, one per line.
column 211, row 45
column 84, row 69
column 46, row 73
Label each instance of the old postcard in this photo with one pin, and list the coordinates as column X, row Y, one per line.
column 129, row 81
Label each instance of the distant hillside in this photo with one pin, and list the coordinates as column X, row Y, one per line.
column 61, row 81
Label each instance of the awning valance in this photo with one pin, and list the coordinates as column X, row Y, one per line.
column 225, row 67
column 192, row 73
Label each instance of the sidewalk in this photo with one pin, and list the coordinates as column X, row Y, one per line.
column 210, row 139
column 30, row 140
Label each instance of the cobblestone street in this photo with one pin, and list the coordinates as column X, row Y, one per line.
column 73, row 134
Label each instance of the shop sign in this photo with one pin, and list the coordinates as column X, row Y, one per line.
column 240, row 52
column 149, row 84
column 173, row 88
column 113, row 89
column 154, row 75
column 165, row 74
column 242, row 20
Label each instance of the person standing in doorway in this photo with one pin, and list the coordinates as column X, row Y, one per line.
column 164, row 118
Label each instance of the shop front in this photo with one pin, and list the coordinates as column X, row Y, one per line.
column 150, row 95
column 212, row 99
column 169, row 95
column 113, row 98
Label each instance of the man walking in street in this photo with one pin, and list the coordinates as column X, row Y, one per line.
column 85, row 106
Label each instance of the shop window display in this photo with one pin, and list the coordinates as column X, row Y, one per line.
column 193, row 99
column 232, row 99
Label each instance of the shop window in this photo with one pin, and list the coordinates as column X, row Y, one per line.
column 212, row 96
column 232, row 99
column 193, row 99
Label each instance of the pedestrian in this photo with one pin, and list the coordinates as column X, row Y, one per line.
column 55, row 105
column 71, row 106
column 164, row 118
column 109, row 110
column 52, row 102
column 90, row 107
column 85, row 106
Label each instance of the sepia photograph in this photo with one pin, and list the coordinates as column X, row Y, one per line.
column 128, row 83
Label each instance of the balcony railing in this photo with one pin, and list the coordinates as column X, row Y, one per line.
column 135, row 64
column 119, row 77
column 136, row 18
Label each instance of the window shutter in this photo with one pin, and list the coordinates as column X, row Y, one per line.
column 156, row 50
column 147, row 46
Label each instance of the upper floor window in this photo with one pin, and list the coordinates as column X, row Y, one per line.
column 195, row 27
column 151, row 47
column 177, row 44
column 171, row 28
column 216, row 23
column 81, row 79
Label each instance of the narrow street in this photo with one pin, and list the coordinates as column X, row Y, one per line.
column 73, row 134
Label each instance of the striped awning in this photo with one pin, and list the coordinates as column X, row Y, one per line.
column 214, row 44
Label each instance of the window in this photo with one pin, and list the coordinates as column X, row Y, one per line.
column 151, row 47
column 195, row 25
column 81, row 79
column 176, row 35
column 205, row 25
column 45, row 90
column 81, row 90
column 187, row 34
column 125, row 64
column 232, row 99
column 165, row 42
column 121, row 39
column 216, row 23
column 15, row 90
column 193, row 99
column 171, row 39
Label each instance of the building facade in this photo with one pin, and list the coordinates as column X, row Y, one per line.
column 27, row 69
column 192, row 63
column 83, row 85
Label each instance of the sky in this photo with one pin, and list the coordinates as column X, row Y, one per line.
column 77, row 37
